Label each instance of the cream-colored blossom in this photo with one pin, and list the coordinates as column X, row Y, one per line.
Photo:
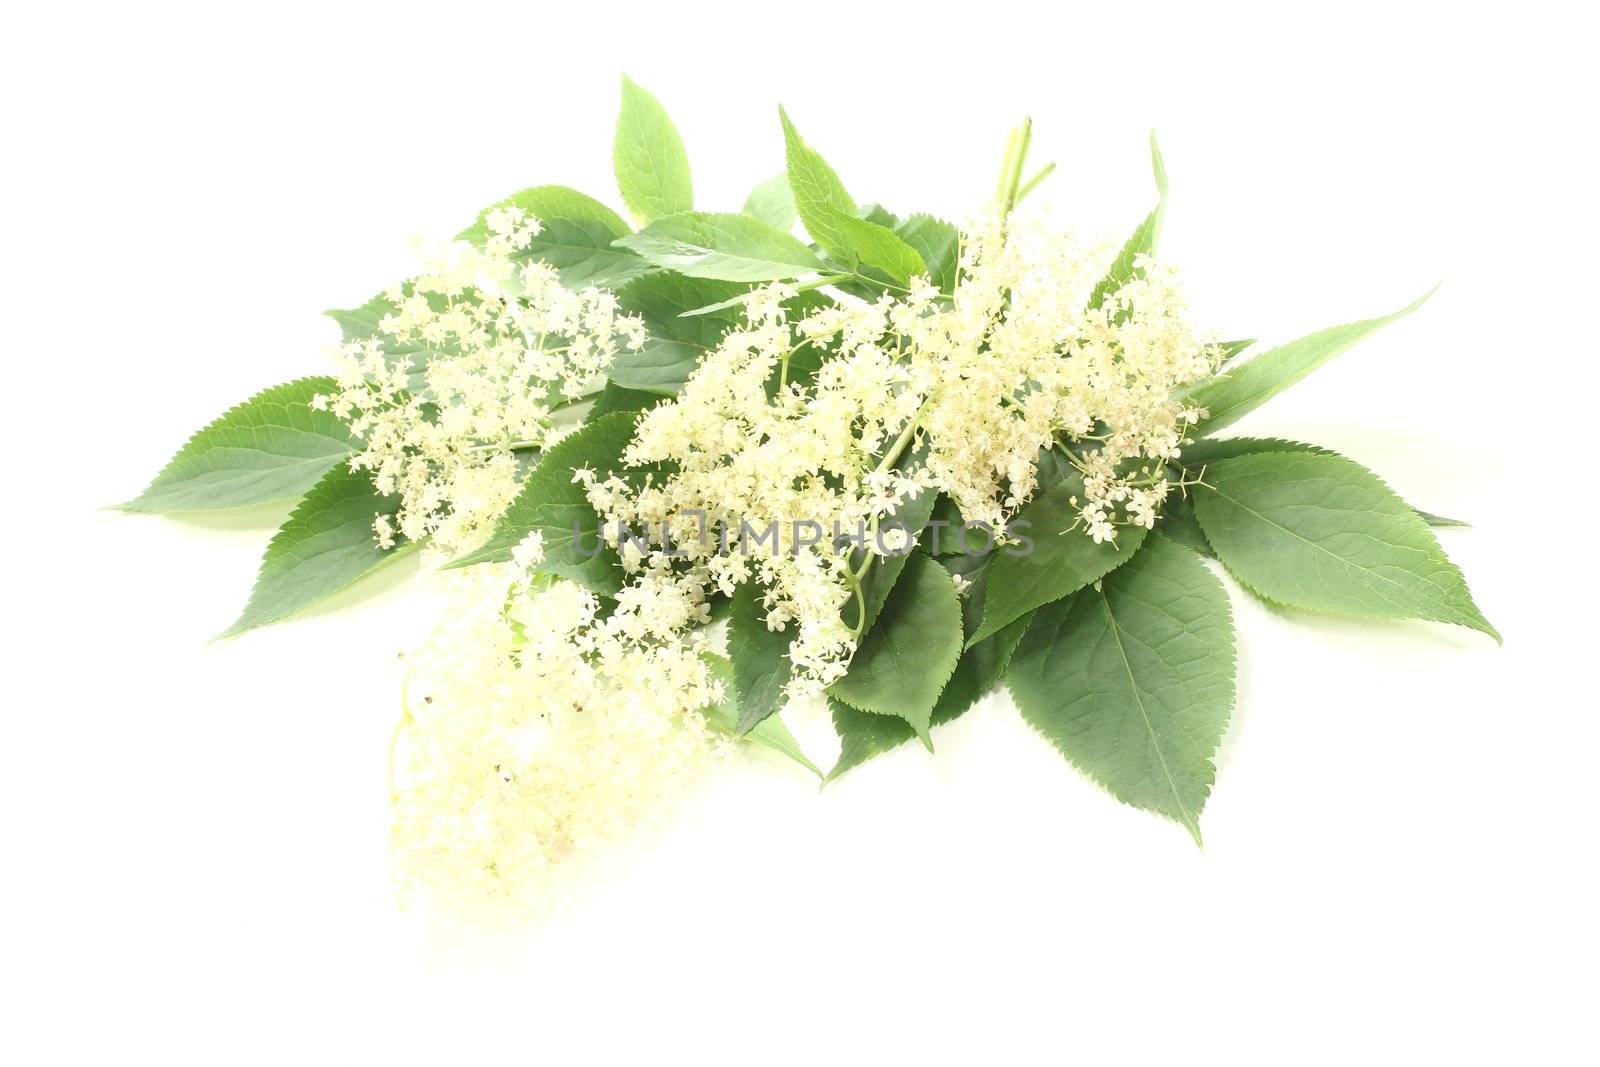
column 753, row 466
column 918, row 392
column 466, row 372
column 534, row 730
column 540, row 723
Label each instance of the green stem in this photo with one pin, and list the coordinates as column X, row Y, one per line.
column 823, row 279
column 866, row 564
column 1016, row 159
column 800, row 287
column 1033, row 182
column 510, row 446
column 573, row 402
column 861, row 603
column 524, row 445
column 783, row 364
column 1007, row 162
column 890, row 457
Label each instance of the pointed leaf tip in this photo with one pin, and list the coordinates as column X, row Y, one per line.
column 910, row 652
column 1134, row 682
column 1320, row 532
column 273, row 446
column 652, row 167
column 1159, row 165
column 1245, row 387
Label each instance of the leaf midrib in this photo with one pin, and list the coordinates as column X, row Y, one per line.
column 1155, row 738
column 1329, row 552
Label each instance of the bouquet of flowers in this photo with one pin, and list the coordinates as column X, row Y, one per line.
column 685, row 471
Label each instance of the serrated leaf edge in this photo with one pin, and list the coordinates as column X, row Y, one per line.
column 1192, row 825
column 924, row 734
column 300, row 511
column 1332, row 613
column 131, row 507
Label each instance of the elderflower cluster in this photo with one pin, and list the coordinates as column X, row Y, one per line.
column 539, row 722
column 533, row 730
column 1027, row 356
column 466, row 370
column 747, row 464
column 959, row 393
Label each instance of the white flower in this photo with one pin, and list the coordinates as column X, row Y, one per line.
column 894, row 541
column 532, row 731
column 543, row 723
column 505, row 345
column 529, row 552
column 1014, row 362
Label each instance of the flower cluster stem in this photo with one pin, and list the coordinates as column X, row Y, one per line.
column 1009, row 190
column 890, row 458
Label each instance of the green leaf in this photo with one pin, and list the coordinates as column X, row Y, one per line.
column 676, row 341
column 1231, row 395
column 878, row 214
column 575, row 237
column 548, row 203
column 981, row 667
column 652, row 166
column 662, row 300
column 734, row 248
column 769, row 733
column 1144, row 238
column 808, row 299
column 1321, row 532
column 773, row 734
column 660, row 366
column 1062, row 558
column 984, row 660
column 686, row 317
column 719, row 609
column 942, row 536
column 364, row 323
column 878, row 248
column 551, row 503
column 1178, row 523
column 773, row 203
column 273, row 446
column 905, row 660
column 1054, row 467
column 885, row 570
column 615, row 398
column 1232, row 350
column 326, row 544
column 863, row 735
column 1133, row 681
column 939, row 245
column 819, row 195
column 1197, row 454
column 760, row 658
column 583, row 254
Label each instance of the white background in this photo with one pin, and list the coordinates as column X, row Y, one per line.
column 1400, row 859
